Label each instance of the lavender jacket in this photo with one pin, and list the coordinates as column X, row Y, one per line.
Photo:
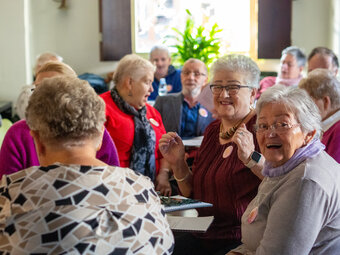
column 18, row 150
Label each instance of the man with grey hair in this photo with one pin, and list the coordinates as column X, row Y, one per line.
column 324, row 89
column 292, row 63
column 160, row 57
column 26, row 91
column 322, row 57
column 181, row 112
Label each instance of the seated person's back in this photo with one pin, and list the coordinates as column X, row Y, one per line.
column 73, row 202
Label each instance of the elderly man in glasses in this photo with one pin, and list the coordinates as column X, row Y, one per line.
column 181, row 112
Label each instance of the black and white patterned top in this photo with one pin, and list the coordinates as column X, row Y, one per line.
column 76, row 209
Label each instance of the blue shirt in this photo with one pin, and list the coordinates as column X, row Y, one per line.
column 173, row 79
column 189, row 120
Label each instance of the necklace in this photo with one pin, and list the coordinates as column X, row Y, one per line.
column 229, row 133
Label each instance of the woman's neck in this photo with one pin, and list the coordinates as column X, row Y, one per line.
column 75, row 155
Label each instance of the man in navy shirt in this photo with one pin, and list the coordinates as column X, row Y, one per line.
column 160, row 57
column 181, row 112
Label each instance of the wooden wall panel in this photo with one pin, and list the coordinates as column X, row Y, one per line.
column 274, row 27
column 115, row 26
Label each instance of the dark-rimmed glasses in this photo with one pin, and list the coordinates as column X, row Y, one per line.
column 231, row 89
column 278, row 127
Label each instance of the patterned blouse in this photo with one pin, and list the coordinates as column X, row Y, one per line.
column 81, row 210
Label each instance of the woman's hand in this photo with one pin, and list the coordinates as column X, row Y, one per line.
column 245, row 143
column 172, row 148
column 162, row 183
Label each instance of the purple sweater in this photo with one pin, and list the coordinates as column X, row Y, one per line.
column 18, row 150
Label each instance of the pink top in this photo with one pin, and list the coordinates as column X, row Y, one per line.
column 18, row 150
column 331, row 139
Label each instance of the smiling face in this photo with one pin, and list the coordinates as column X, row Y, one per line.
column 236, row 107
column 279, row 148
column 141, row 89
column 289, row 67
column 162, row 61
column 193, row 77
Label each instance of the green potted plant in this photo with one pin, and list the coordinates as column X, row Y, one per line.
column 195, row 43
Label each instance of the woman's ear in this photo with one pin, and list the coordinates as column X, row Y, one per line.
column 253, row 95
column 309, row 137
column 39, row 146
column 101, row 138
column 128, row 82
column 326, row 103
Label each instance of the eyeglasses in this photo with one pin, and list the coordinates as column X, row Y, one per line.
column 231, row 89
column 279, row 127
column 196, row 74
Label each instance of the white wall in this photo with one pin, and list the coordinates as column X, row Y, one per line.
column 311, row 24
column 74, row 34
column 13, row 70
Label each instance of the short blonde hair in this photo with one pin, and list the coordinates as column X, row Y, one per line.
column 320, row 83
column 59, row 67
column 65, row 111
column 134, row 66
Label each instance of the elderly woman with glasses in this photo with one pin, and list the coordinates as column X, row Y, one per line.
column 226, row 171
column 297, row 208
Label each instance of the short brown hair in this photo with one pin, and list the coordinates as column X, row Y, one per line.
column 65, row 110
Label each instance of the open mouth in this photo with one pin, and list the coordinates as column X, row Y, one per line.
column 225, row 103
column 274, row 146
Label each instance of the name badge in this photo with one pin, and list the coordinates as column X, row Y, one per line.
column 154, row 122
column 203, row 112
column 227, row 151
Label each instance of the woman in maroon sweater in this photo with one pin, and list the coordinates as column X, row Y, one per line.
column 227, row 169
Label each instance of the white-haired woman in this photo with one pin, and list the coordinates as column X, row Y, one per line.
column 134, row 125
column 297, row 208
column 324, row 88
column 226, row 171
column 73, row 202
column 292, row 63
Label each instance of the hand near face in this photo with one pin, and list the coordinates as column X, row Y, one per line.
column 172, row 148
column 245, row 143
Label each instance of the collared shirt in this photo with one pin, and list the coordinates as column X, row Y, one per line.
column 189, row 120
column 330, row 121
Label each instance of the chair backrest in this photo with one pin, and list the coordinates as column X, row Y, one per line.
column 6, row 124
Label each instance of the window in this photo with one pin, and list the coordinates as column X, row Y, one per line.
column 258, row 28
column 154, row 20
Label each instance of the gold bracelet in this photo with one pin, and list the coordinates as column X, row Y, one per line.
column 180, row 180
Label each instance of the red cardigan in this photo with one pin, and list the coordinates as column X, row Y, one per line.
column 121, row 128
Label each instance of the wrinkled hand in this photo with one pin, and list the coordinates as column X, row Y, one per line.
column 162, row 184
column 245, row 143
column 172, row 148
